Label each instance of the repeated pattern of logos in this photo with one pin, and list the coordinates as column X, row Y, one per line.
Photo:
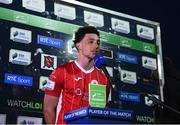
column 49, row 61
column 91, row 18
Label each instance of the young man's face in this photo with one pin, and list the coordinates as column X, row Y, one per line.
column 89, row 45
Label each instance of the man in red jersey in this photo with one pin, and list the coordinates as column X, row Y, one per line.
column 67, row 87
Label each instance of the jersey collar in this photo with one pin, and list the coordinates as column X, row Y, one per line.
column 81, row 68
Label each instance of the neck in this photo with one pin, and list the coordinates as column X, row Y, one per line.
column 85, row 63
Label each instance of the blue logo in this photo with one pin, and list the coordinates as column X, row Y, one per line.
column 126, row 96
column 48, row 41
column 18, row 79
column 127, row 58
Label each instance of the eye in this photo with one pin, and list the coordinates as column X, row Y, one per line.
column 91, row 41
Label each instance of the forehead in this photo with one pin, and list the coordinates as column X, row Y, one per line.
column 90, row 36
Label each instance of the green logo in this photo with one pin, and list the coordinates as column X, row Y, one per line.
column 124, row 75
column 97, row 95
column 14, row 55
column 44, row 82
column 140, row 30
column 145, row 61
column 15, row 33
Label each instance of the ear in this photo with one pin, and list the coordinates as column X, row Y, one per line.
column 78, row 46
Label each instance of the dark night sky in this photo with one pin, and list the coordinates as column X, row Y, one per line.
column 167, row 13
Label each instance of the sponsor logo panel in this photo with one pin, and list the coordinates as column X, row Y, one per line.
column 35, row 5
column 63, row 11
column 43, row 80
column 26, row 120
column 127, row 96
column 48, row 62
column 93, row 18
column 128, row 77
column 48, row 41
column 120, row 25
column 6, row 1
column 3, row 119
column 19, row 57
column 20, row 35
column 145, row 32
column 127, row 58
column 18, row 79
column 149, row 63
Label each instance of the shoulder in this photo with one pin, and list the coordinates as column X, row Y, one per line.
column 61, row 69
column 65, row 65
column 100, row 72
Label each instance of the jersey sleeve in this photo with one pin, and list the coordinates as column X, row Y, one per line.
column 55, row 82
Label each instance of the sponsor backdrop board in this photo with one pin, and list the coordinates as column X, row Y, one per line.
column 36, row 37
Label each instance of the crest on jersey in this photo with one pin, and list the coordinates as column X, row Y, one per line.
column 94, row 82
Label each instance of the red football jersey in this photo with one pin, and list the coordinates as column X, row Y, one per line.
column 71, row 82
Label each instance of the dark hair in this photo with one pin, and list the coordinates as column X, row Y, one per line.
column 80, row 33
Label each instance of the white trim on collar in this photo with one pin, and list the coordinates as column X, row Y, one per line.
column 85, row 71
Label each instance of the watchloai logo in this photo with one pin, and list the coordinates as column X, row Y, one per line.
column 21, row 35
column 19, row 57
column 26, row 120
column 145, row 119
column 25, row 105
column 48, row 62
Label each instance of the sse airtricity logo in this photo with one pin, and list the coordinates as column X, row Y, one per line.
column 21, row 35
column 43, row 80
column 19, row 57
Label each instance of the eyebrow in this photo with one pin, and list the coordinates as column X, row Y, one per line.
column 94, row 39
